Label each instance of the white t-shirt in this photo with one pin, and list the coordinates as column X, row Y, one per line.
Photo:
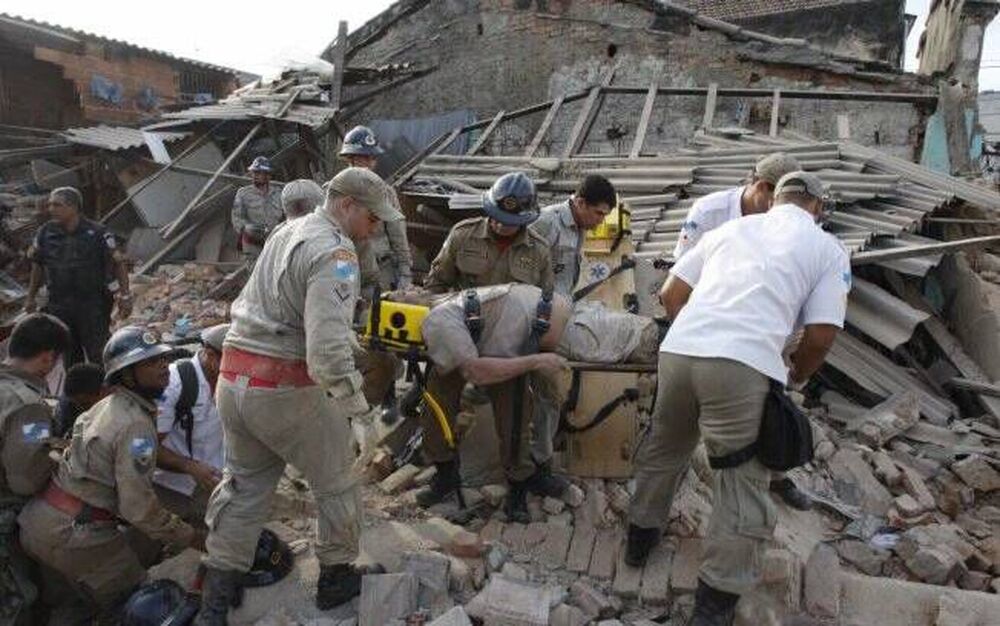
column 207, row 441
column 707, row 214
column 755, row 280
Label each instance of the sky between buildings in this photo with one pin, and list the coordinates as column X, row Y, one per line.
column 262, row 37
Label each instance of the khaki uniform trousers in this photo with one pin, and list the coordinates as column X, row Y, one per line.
column 378, row 370
column 721, row 401
column 545, row 417
column 265, row 429
column 447, row 390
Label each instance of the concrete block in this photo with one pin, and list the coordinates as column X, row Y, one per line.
column 605, row 555
column 687, row 561
column 907, row 506
column 453, row 538
column 871, row 600
column 555, row 546
column 432, row 571
column 885, row 469
column 915, row 486
column 567, row 615
column 494, row 494
column 574, row 496
column 580, row 549
column 400, row 480
column 514, row 603
column 656, row 575
column 823, row 582
column 553, row 506
column 977, row 473
column 627, row 578
column 454, row 617
column 856, row 484
column 862, row 556
column 387, row 597
column 592, row 601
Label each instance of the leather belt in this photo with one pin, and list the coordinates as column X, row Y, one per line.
column 262, row 370
column 76, row 508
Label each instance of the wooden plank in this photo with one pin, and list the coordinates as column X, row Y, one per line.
column 338, row 54
column 640, row 131
column 591, row 107
column 580, row 549
column 985, row 389
column 605, row 555
column 447, row 141
column 775, row 112
column 407, row 169
column 710, row 101
column 485, row 136
column 656, row 575
column 544, row 128
column 843, row 127
column 877, row 256
column 627, row 578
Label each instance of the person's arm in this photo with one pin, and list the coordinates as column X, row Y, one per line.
column 823, row 315
column 443, row 274
column 493, row 370
column 674, row 294
column 690, row 232
column 205, row 475
column 34, row 283
column 809, row 356
column 24, row 455
column 239, row 214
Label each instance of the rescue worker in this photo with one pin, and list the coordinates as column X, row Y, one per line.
column 106, row 475
column 389, row 247
column 300, row 197
column 734, row 300
column 256, row 209
column 564, row 226
column 74, row 256
column 716, row 209
column 289, row 392
column 504, row 344
column 36, row 345
column 497, row 248
column 82, row 389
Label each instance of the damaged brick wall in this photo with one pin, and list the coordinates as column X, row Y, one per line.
column 505, row 54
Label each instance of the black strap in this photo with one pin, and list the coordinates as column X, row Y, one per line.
column 734, row 459
column 626, row 264
column 473, row 314
column 630, row 394
column 183, row 410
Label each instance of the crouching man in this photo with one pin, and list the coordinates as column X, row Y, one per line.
column 105, row 476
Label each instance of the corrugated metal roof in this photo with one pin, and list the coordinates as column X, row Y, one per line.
column 305, row 114
column 114, row 137
column 881, row 315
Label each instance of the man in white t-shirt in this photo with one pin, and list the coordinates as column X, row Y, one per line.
column 734, row 300
column 190, row 457
column 717, row 208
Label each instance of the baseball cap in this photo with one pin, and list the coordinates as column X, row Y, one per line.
column 800, row 182
column 369, row 189
column 773, row 166
column 214, row 336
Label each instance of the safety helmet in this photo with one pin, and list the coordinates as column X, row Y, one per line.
column 512, row 200
column 361, row 140
column 272, row 561
column 260, row 164
column 160, row 603
column 131, row 345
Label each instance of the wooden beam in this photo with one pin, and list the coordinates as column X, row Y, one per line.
column 787, row 94
column 985, row 389
column 640, row 131
column 407, row 169
column 710, row 99
column 544, row 128
column 775, row 112
column 452, row 136
column 877, row 256
column 591, row 107
column 484, row 137
column 338, row 55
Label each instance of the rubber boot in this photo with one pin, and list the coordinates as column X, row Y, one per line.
column 640, row 543
column 544, row 483
column 444, row 484
column 341, row 583
column 517, row 503
column 713, row 607
column 220, row 590
column 791, row 494
column 390, row 407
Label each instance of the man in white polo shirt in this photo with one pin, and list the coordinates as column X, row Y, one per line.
column 734, row 301
column 189, row 461
column 717, row 208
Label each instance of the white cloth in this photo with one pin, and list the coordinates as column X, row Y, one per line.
column 206, row 436
column 707, row 214
column 755, row 280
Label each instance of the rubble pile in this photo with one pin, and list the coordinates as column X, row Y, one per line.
column 178, row 300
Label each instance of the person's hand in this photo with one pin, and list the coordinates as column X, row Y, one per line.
column 363, row 427
column 551, row 362
column 124, row 306
column 30, row 305
column 205, row 475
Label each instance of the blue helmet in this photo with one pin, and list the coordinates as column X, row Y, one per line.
column 160, row 603
column 131, row 345
column 512, row 200
column 260, row 164
column 362, row 141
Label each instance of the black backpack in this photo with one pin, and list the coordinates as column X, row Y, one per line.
column 183, row 410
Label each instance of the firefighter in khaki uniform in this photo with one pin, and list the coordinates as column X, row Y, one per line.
column 25, row 422
column 106, row 474
column 288, row 387
column 257, row 209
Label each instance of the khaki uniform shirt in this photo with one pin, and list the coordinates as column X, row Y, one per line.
column 251, row 206
column 470, row 257
column 593, row 333
column 565, row 241
column 299, row 301
column 391, row 248
column 109, row 465
column 25, row 423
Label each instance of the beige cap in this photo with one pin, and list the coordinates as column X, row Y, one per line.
column 800, row 182
column 773, row 166
column 301, row 189
column 214, row 336
column 369, row 189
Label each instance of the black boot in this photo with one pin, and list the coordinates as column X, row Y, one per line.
column 713, row 607
column 444, row 484
column 340, row 583
column 517, row 503
column 640, row 543
column 791, row 494
column 390, row 408
column 220, row 590
column 544, row 483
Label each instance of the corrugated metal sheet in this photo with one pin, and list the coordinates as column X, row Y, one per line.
column 305, row 114
column 881, row 315
column 114, row 137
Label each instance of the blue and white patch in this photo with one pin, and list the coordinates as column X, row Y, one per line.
column 846, row 277
column 35, row 432
column 599, row 271
column 345, row 271
column 689, row 225
column 142, row 450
